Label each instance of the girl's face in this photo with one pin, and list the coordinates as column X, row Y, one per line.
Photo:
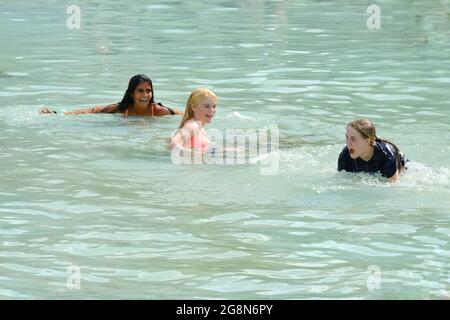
column 142, row 94
column 356, row 143
column 204, row 111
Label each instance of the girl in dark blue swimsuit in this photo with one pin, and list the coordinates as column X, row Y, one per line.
column 367, row 153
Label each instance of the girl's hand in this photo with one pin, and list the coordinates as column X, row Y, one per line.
column 45, row 110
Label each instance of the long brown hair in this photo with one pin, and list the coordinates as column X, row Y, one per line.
column 194, row 100
column 367, row 130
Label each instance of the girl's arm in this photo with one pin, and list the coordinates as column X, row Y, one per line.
column 162, row 110
column 395, row 177
column 99, row 109
column 179, row 139
column 176, row 141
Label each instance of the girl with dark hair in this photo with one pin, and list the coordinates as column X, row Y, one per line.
column 367, row 153
column 138, row 100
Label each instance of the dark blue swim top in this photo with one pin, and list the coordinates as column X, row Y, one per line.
column 383, row 160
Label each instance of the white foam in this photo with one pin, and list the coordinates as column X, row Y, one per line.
column 238, row 115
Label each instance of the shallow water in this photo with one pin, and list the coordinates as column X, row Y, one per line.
column 100, row 191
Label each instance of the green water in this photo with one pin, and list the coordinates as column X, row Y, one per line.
column 100, row 191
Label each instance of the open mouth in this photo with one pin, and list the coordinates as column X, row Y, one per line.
column 351, row 150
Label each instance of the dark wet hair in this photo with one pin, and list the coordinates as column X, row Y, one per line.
column 127, row 99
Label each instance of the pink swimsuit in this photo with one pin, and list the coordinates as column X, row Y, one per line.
column 201, row 144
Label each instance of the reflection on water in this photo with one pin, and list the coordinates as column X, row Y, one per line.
column 100, row 191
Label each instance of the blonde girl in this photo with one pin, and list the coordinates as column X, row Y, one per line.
column 200, row 110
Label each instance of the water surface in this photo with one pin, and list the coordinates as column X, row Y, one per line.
column 100, row 191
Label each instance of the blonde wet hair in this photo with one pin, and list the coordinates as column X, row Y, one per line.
column 194, row 99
